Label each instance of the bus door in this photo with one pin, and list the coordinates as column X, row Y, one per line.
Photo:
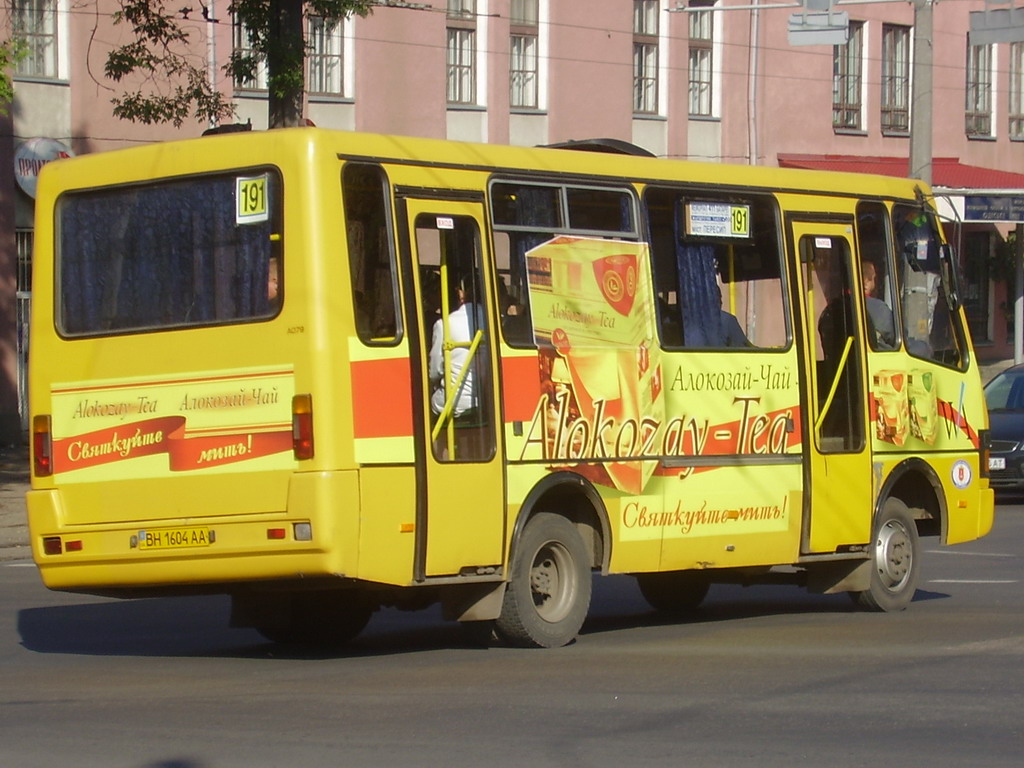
column 838, row 503
column 460, row 519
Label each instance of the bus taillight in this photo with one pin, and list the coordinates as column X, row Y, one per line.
column 42, row 446
column 302, row 426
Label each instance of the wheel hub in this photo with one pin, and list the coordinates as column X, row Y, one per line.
column 894, row 554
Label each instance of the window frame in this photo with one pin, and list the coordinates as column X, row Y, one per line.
column 895, row 101
column 42, row 60
column 701, row 60
column 848, row 82
column 460, row 54
column 646, row 51
column 326, row 47
column 1016, row 101
column 241, row 43
column 524, row 55
column 978, row 92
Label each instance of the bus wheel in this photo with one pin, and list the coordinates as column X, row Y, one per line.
column 318, row 618
column 548, row 594
column 895, row 560
column 674, row 591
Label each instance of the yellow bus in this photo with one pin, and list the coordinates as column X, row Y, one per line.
column 325, row 372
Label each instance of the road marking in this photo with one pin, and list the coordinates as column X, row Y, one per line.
column 973, row 581
column 972, row 554
column 1011, row 644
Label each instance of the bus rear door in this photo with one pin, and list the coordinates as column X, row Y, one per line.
column 460, row 488
column 839, row 460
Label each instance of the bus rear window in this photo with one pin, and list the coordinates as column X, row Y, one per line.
column 196, row 251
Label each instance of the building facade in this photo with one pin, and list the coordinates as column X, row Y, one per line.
column 717, row 81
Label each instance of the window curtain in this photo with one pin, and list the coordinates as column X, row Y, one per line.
column 159, row 257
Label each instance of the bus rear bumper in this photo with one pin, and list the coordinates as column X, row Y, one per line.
column 317, row 537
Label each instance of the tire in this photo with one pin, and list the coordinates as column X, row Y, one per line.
column 548, row 593
column 895, row 559
column 317, row 618
column 674, row 591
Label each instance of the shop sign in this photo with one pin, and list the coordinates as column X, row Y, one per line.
column 31, row 156
column 1008, row 207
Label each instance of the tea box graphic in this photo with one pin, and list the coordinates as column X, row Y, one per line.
column 889, row 394
column 600, row 374
column 924, row 406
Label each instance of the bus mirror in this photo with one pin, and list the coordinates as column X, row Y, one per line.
column 949, row 276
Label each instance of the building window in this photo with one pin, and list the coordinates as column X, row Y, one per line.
column 1017, row 91
column 895, row 79
column 701, row 57
column 243, row 47
column 847, row 76
column 645, row 56
column 978, row 109
column 462, row 51
column 35, row 22
column 523, row 45
column 325, row 57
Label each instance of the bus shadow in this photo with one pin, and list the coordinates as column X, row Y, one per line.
column 198, row 626
column 727, row 603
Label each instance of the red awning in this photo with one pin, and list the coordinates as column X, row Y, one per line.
column 947, row 172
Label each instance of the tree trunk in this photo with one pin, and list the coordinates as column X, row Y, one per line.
column 286, row 64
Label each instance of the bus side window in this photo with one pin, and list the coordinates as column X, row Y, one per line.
column 524, row 216
column 714, row 289
column 875, row 253
column 370, row 253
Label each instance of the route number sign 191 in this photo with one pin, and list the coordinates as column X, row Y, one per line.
column 251, row 204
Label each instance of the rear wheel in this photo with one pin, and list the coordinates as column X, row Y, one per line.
column 895, row 560
column 548, row 594
column 674, row 591
column 316, row 618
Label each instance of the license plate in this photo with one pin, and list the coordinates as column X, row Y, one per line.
column 996, row 462
column 175, row 538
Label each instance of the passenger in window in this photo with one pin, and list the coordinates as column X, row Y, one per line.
column 272, row 281
column 463, row 324
column 514, row 322
column 721, row 331
column 881, row 327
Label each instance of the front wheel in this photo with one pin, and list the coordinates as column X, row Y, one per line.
column 894, row 559
column 548, row 594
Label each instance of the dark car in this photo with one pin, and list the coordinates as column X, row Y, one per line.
column 1004, row 396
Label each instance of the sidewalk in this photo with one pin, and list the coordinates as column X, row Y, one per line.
column 13, row 485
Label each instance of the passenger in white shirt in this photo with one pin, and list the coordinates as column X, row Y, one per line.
column 463, row 324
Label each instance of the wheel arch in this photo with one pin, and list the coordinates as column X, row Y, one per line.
column 915, row 482
column 575, row 498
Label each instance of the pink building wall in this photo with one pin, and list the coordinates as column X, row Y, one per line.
column 591, row 78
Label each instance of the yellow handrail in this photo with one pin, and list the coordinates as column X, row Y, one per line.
column 835, row 385
column 449, row 402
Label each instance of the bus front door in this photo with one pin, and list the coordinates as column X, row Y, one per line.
column 838, row 503
column 460, row 520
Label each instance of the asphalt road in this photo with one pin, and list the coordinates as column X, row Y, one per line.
column 767, row 676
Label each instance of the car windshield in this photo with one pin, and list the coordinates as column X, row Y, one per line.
column 1006, row 392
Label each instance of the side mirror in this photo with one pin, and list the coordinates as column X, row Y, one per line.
column 950, row 283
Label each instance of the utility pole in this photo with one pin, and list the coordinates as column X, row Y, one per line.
column 921, row 108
